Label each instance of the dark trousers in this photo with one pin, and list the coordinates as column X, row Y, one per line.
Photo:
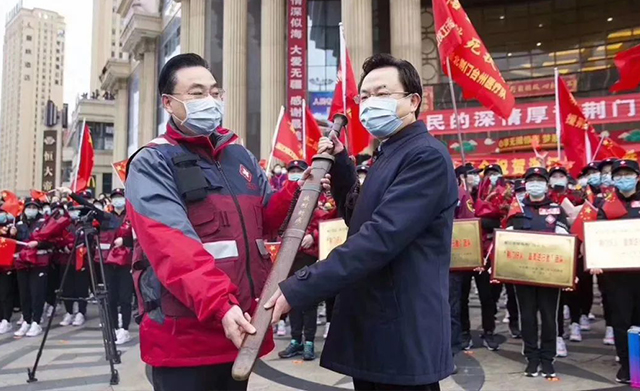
column 304, row 321
column 120, row 286
column 455, row 294
column 580, row 300
column 624, row 298
column 486, row 301
column 76, row 286
column 6, row 294
column 32, row 284
column 531, row 300
column 53, row 283
column 370, row 386
column 330, row 303
column 206, row 378
column 603, row 285
column 496, row 291
column 512, row 305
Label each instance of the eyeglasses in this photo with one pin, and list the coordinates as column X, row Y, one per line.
column 215, row 93
column 363, row 97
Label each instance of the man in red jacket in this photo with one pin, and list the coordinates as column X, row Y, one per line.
column 199, row 204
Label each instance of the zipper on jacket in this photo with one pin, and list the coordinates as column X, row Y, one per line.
column 244, row 229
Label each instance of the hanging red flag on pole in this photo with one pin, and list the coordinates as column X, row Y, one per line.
column 11, row 203
column 313, row 134
column 86, row 162
column 358, row 138
column 7, row 250
column 628, row 64
column 472, row 67
column 287, row 146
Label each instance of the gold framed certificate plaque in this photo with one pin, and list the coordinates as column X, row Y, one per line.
column 534, row 258
column 612, row 244
column 331, row 234
column 466, row 245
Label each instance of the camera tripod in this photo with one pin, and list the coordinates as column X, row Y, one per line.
column 87, row 234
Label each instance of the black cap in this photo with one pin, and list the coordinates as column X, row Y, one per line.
column 590, row 166
column 518, row 185
column 362, row 168
column 605, row 162
column 628, row 164
column 86, row 194
column 465, row 169
column 31, row 201
column 55, row 205
column 301, row 164
column 539, row 171
column 558, row 168
column 495, row 167
column 117, row 192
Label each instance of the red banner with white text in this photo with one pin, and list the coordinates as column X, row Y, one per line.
column 296, row 62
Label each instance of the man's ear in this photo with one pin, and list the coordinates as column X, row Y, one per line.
column 416, row 100
column 166, row 103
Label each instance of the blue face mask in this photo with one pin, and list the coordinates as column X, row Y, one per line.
column 536, row 189
column 379, row 117
column 594, row 180
column 203, row 115
column 3, row 218
column 626, row 184
column 606, row 180
column 494, row 179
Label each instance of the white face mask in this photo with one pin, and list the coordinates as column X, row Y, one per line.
column 558, row 182
column 203, row 115
column 294, row 176
column 277, row 170
column 31, row 213
column 536, row 189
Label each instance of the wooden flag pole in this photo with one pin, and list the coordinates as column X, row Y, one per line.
column 275, row 138
column 455, row 111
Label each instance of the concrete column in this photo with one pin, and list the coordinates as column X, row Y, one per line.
column 358, row 26
column 121, row 122
column 185, row 26
column 274, row 70
column 406, row 31
column 147, row 111
column 197, row 12
column 234, row 66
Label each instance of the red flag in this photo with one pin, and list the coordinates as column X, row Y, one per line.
column 86, row 163
column 121, row 169
column 11, row 204
column 81, row 252
column 628, row 64
column 471, row 64
column 39, row 195
column 588, row 213
column 610, row 148
column 465, row 208
column 358, row 138
column 589, row 194
column 288, row 146
column 313, row 135
column 273, row 248
column 613, row 207
column 515, row 208
column 7, row 249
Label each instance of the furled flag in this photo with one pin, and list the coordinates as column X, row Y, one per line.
column 288, row 146
column 11, row 203
column 121, row 169
column 86, row 162
column 628, row 64
column 579, row 139
column 313, row 135
column 7, row 250
column 358, row 138
column 472, row 67
column 587, row 213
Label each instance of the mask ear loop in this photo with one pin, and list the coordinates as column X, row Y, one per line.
column 413, row 111
column 186, row 110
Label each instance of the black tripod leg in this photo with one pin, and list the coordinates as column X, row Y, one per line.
column 108, row 336
column 32, row 372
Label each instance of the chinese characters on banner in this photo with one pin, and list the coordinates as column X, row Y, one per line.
column 525, row 143
column 49, row 146
column 598, row 110
column 541, row 87
column 513, row 164
column 297, row 62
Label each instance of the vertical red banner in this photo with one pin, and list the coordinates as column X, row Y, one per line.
column 296, row 62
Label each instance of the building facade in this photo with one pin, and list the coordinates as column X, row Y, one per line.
column 33, row 70
column 246, row 43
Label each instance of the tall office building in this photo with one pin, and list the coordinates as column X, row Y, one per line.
column 33, row 57
column 105, row 43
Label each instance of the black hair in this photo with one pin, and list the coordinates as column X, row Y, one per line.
column 409, row 76
column 167, row 77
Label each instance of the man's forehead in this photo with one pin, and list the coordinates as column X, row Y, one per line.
column 382, row 77
column 194, row 75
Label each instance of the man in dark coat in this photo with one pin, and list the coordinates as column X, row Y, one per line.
column 391, row 324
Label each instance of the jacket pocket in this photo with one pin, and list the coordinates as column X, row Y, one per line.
column 205, row 219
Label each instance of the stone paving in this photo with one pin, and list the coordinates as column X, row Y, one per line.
column 74, row 360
